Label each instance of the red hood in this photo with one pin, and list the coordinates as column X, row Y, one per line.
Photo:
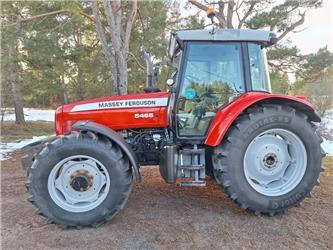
column 116, row 102
column 147, row 110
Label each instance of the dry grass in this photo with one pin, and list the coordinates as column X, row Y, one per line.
column 12, row 132
column 328, row 165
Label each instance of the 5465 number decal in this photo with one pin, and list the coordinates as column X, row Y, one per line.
column 144, row 115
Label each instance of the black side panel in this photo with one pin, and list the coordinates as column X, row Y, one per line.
column 113, row 136
column 168, row 163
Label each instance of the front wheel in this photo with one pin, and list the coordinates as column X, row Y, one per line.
column 270, row 160
column 79, row 180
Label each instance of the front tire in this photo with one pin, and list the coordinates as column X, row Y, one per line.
column 270, row 160
column 79, row 180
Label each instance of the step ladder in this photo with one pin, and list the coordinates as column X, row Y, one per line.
column 191, row 164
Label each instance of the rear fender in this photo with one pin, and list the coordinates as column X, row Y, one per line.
column 114, row 137
column 225, row 117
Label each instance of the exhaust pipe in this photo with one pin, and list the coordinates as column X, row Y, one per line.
column 150, row 80
column 147, row 57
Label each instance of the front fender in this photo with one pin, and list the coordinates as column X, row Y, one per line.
column 226, row 116
column 114, row 137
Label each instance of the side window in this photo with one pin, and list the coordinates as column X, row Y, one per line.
column 258, row 66
column 212, row 78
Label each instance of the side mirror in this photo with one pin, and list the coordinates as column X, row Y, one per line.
column 170, row 82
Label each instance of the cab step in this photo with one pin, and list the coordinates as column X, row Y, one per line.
column 192, row 167
column 192, row 151
column 199, row 183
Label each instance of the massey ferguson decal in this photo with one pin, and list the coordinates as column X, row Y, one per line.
column 135, row 103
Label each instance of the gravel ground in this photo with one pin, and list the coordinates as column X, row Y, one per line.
column 162, row 216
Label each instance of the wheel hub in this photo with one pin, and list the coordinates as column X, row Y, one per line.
column 81, row 180
column 270, row 160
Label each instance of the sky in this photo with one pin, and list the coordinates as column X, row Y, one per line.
column 317, row 30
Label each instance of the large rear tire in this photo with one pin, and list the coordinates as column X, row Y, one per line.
column 270, row 159
column 79, row 180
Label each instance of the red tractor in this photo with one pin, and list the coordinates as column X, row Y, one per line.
column 219, row 118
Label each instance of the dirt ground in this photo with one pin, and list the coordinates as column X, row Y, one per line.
column 162, row 216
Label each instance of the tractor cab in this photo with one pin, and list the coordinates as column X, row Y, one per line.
column 211, row 69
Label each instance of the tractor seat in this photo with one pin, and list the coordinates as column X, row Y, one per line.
column 151, row 89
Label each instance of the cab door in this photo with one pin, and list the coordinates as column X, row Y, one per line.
column 212, row 76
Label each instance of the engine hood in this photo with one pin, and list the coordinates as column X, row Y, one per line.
column 117, row 112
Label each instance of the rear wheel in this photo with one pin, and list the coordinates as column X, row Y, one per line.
column 79, row 180
column 270, row 160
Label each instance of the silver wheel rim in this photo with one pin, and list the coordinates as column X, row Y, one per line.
column 275, row 162
column 78, row 183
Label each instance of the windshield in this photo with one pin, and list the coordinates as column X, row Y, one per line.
column 259, row 68
column 216, row 68
column 212, row 78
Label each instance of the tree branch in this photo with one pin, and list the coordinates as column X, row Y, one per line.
column 59, row 12
column 230, row 11
column 292, row 27
column 129, row 25
column 246, row 15
column 218, row 14
column 110, row 20
column 199, row 5
column 100, row 31
column 136, row 60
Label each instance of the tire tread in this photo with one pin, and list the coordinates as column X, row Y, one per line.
column 100, row 141
column 221, row 165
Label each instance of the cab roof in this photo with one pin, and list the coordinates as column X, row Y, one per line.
column 262, row 36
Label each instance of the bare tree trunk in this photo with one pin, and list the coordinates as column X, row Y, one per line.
column 107, row 51
column 2, row 111
column 80, row 90
column 230, row 11
column 63, row 86
column 127, row 38
column 117, row 51
column 13, row 78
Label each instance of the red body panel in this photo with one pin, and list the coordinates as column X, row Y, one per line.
column 225, row 117
column 148, row 110
column 123, row 115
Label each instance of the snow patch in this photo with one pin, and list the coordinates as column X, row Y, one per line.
column 32, row 114
column 327, row 122
column 6, row 148
column 327, row 147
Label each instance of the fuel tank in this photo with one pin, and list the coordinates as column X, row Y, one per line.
column 146, row 110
